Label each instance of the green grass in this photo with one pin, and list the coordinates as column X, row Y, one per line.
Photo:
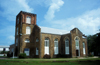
column 62, row 61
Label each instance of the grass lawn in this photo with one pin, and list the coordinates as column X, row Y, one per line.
column 92, row 61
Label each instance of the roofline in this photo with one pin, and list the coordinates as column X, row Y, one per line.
column 26, row 13
column 54, row 34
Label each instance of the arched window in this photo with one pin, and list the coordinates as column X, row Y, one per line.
column 77, row 43
column 28, row 30
column 37, row 40
column 27, row 41
column 77, row 46
column 37, row 51
column 56, row 46
column 28, row 20
column 46, row 46
column 83, row 48
column 66, row 46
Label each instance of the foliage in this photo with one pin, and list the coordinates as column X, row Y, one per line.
column 94, row 43
column 46, row 56
column 62, row 56
column 9, row 55
column 22, row 55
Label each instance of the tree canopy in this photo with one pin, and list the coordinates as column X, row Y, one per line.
column 94, row 43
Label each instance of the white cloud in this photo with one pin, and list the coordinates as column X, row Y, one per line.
column 24, row 4
column 54, row 6
column 88, row 23
column 12, row 7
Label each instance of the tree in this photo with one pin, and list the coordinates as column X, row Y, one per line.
column 94, row 43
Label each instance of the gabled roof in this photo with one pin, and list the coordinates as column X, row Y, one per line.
column 53, row 31
column 77, row 29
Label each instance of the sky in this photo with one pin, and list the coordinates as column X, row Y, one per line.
column 58, row 14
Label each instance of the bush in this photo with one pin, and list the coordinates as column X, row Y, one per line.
column 46, row 56
column 22, row 55
column 62, row 56
column 59, row 55
column 90, row 55
column 9, row 55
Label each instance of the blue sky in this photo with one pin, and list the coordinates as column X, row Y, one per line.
column 58, row 14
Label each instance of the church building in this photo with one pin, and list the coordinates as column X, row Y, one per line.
column 37, row 41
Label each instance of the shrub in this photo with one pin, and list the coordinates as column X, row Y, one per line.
column 46, row 56
column 9, row 55
column 62, row 56
column 22, row 55
column 59, row 55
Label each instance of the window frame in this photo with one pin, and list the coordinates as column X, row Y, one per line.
column 28, row 52
column 37, row 51
column 27, row 40
column 28, row 20
column 66, row 46
column 46, row 46
column 28, row 30
column 84, row 52
column 56, row 51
